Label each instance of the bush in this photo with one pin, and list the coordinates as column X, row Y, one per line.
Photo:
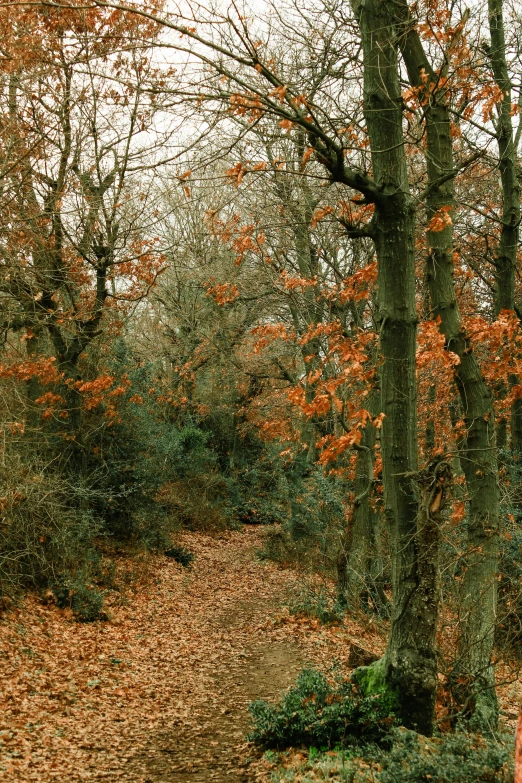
column 310, row 531
column 126, row 464
column 258, row 493
column 129, row 463
column 277, row 546
column 317, row 603
column 508, row 633
column 196, row 503
column 455, row 758
column 181, row 555
column 85, row 600
column 45, row 529
column 315, row 713
column 318, row 508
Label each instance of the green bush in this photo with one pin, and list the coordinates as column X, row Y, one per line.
column 129, row 463
column 85, row 599
column 315, row 713
column 317, row 508
column 277, row 546
column 410, row 758
column 454, row 758
column 258, row 493
column 508, row 633
column 317, row 603
column 312, row 525
column 181, row 555
column 45, row 529
column 196, row 503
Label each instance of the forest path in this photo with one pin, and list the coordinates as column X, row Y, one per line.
column 160, row 692
column 235, row 663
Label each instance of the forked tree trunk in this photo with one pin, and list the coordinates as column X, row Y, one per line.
column 477, row 449
column 409, row 665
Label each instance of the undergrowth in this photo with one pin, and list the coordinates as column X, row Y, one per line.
column 317, row 712
column 85, row 599
column 181, row 555
column 317, row 603
column 454, row 758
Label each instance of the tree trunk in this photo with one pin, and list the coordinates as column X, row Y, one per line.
column 506, row 259
column 360, row 564
column 477, row 448
column 409, row 666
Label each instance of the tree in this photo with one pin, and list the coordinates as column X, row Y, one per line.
column 477, row 447
column 409, row 666
column 361, row 132
column 76, row 247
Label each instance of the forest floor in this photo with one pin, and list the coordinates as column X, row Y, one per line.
column 160, row 691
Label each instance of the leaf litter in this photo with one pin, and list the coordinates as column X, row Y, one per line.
column 160, row 691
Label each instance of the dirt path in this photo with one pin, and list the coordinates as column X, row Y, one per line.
column 214, row 751
column 244, row 668
column 160, row 692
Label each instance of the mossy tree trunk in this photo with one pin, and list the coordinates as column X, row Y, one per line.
column 506, row 258
column 409, row 665
column 477, row 449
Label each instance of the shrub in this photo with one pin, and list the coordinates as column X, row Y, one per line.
column 454, row 758
column 84, row 598
column 258, row 492
column 317, row 603
column 318, row 507
column 508, row 632
column 45, row 529
column 128, row 464
column 315, row 713
column 196, row 503
column 277, row 546
column 181, row 555
column 315, row 518
column 146, row 447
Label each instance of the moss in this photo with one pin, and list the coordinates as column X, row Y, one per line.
column 371, row 681
column 320, row 713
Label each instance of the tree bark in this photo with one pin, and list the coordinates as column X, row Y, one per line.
column 360, row 566
column 506, row 258
column 477, row 449
column 409, row 665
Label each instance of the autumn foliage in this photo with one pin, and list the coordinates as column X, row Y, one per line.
column 267, row 271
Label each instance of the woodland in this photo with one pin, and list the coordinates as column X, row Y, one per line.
column 261, row 391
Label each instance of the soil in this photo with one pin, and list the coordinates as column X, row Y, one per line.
column 216, row 750
column 161, row 691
